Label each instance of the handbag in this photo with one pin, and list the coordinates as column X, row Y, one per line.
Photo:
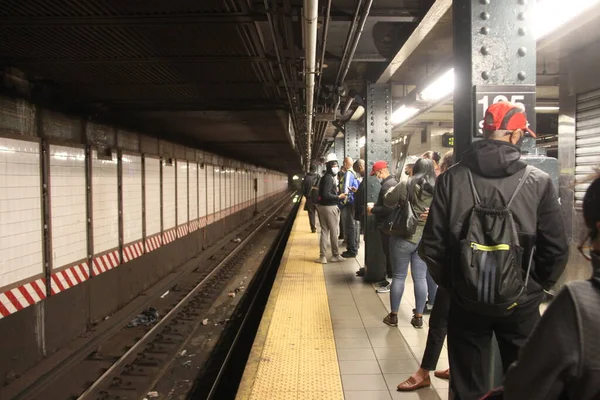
column 404, row 220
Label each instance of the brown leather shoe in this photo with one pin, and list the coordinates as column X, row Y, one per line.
column 442, row 374
column 411, row 384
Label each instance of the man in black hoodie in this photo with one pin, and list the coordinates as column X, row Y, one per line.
column 310, row 184
column 497, row 169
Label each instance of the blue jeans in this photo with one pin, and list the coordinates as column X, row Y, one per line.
column 351, row 229
column 403, row 253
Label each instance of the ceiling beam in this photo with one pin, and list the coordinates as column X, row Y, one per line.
column 431, row 19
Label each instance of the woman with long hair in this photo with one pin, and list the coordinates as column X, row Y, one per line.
column 438, row 326
column 403, row 250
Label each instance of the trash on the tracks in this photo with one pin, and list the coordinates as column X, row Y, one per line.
column 205, row 321
column 187, row 364
column 231, row 294
column 182, row 353
column 153, row 394
column 147, row 318
column 237, row 240
column 165, row 294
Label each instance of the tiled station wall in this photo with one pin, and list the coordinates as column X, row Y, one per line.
column 79, row 198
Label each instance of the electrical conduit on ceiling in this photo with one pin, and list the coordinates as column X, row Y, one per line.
column 310, row 24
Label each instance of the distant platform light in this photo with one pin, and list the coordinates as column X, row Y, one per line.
column 295, row 177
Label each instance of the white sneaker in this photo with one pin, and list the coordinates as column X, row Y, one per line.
column 337, row 259
column 321, row 260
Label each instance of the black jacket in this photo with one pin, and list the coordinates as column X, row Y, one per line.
column 561, row 359
column 328, row 191
column 310, row 180
column 380, row 211
column 496, row 168
column 359, row 201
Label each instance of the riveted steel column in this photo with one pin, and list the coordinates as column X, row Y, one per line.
column 339, row 148
column 494, row 59
column 378, row 146
column 351, row 138
column 494, row 44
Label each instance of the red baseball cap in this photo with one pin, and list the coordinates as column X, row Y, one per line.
column 506, row 116
column 378, row 166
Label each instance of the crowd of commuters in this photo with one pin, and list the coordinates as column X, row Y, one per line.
column 487, row 240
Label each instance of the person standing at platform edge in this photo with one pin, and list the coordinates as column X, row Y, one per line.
column 348, row 184
column 310, row 189
column 492, row 220
column 329, row 212
column 381, row 171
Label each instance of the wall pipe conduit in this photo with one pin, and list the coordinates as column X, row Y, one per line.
column 311, row 15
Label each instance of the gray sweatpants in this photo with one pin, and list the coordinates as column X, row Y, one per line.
column 329, row 219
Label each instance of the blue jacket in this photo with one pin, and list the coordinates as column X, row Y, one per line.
column 349, row 180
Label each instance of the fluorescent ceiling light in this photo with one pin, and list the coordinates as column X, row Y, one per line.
column 551, row 15
column 440, row 88
column 403, row 113
column 546, row 108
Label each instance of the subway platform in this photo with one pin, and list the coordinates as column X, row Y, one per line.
column 322, row 335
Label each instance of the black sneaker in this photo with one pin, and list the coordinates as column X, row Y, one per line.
column 417, row 322
column 348, row 254
column 391, row 319
column 360, row 272
column 382, row 283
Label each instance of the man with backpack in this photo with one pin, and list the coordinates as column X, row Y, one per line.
column 495, row 239
column 310, row 189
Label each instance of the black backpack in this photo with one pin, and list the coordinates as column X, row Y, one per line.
column 489, row 278
column 314, row 191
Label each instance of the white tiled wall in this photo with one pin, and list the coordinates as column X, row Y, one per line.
column 223, row 190
column 182, row 192
column 132, row 198
column 152, row 185
column 68, row 204
column 193, row 191
column 228, row 187
column 202, row 191
column 168, row 196
column 105, row 202
column 210, row 189
column 20, row 211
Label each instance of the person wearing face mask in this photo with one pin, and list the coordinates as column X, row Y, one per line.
column 329, row 212
column 560, row 359
column 518, row 203
column 409, row 165
column 381, row 212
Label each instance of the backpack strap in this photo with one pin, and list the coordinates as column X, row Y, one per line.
column 519, row 186
column 473, row 188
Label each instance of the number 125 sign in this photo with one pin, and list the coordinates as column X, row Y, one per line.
column 488, row 95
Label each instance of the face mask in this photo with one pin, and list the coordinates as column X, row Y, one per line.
column 335, row 170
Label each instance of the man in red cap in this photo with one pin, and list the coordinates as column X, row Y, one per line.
column 494, row 233
column 381, row 171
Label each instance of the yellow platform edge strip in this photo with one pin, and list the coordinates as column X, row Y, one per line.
column 294, row 354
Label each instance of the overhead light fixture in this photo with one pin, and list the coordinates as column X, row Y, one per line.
column 546, row 108
column 403, row 113
column 362, row 141
column 440, row 88
column 551, row 15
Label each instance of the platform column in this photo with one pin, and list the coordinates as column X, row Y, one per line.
column 378, row 146
column 351, row 140
column 494, row 59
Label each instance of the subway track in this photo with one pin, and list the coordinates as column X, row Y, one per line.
column 126, row 363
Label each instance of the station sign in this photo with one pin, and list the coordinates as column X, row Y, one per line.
column 486, row 95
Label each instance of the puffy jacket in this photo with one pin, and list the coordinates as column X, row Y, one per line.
column 328, row 193
column 419, row 204
column 348, row 180
column 561, row 359
column 380, row 211
column 497, row 167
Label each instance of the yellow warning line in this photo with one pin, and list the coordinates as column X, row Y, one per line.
column 294, row 355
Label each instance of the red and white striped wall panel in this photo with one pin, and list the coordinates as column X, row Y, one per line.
column 133, row 251
column 26, row 295
column 194, row 225
column 68, row 277
column 182, row 230
column 169, row 236
column 105, row 262
column 153, row 243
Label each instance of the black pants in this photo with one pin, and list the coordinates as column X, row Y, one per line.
column 438, row 327
column 470, row 346
column 385, row 241
column 311, row 209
